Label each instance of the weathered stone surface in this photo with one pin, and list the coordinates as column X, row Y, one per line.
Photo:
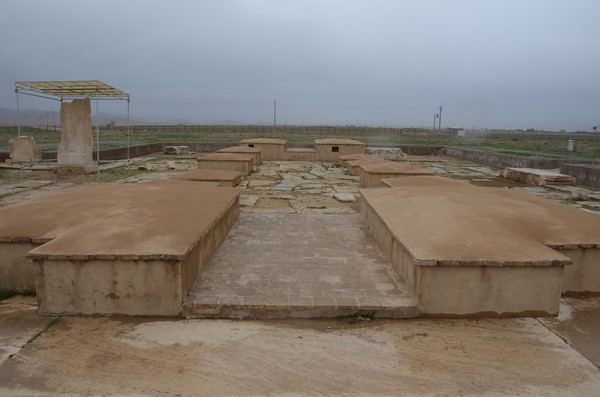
column 510, row 247
column 76, row 140
column 306, row 266
column 139, row 244
column 223, row 178
column 176, row 150
column 24, row 148
column 537, row 177
column 579, row 195
column 345, row 198
column 386, row 153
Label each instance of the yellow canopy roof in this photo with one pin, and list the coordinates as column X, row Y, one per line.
column 71, row 89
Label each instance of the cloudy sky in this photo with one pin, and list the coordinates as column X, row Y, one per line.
column 489, row 63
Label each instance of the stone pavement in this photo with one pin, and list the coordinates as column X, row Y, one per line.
column 297, row 187
column 289, row 266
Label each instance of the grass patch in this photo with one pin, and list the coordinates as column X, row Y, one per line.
column 6, row 293
column 356, row 318
column 50, row 324
column 115, row 174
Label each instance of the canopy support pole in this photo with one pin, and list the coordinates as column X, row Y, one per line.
column 97, row 140
column 127, row 130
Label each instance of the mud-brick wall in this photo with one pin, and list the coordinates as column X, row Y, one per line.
column 585, row 174
column 500, row 160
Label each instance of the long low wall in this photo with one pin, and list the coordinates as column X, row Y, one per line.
column 584, row 174
column 138, row 150
column 501, row 160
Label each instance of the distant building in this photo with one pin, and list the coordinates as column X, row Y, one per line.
column 456, row 131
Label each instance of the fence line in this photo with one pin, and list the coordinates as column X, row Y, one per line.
column 240, row 128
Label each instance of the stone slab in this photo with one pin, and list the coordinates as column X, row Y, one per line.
column 391, row 154
column 335, row 141
column 245, row 150
column 529, row 225
column 223, row 178
column 268, row 141
column 537, row 177
column 76, row 140
column 240, row 162
column 176, row 150
column 371, row 173
column 350, row 157
column 354, row 165
column 148, row 219
column 424, row 180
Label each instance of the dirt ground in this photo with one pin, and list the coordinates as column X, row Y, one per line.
column 122, row 356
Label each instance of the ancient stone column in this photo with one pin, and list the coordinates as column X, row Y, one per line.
column 76, row 137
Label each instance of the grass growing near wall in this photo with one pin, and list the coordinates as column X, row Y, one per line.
column 6, row 293
column 543, row 144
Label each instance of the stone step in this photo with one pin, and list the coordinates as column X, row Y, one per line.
column 291, row 266
column 265, row 307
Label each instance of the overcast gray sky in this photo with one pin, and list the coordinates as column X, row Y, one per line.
column 489, row 63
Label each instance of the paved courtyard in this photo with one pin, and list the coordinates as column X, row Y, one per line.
column 289, row 265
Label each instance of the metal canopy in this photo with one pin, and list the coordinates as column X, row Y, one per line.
column 74, row 89
column 71, row 89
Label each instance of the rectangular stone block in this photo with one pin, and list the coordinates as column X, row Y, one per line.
column 76, row 140
column 537, row 177
column 243, row 163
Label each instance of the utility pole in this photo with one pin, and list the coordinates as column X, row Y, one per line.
column 440, row 119
column 274, row 114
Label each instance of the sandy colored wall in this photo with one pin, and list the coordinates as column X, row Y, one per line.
column 489, row 291
column 469, row 290
column 130, row 287
column 147, row 288
column 583, row 276
column 370, row 179
column 299, row 155
column 325, row 153
column 244, row 150
column 402, row 262
column 16, row 271
column 269, row 152
column 207, row 245
column 240, row 166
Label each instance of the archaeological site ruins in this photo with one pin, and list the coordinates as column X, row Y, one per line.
column 263, row 230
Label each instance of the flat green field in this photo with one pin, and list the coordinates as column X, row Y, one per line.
column 517, row 143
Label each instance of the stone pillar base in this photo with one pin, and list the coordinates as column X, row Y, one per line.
column 72, row 158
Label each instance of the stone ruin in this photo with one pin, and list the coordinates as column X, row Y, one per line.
column 462, row 250
column 76, row 138
column 24, row 149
